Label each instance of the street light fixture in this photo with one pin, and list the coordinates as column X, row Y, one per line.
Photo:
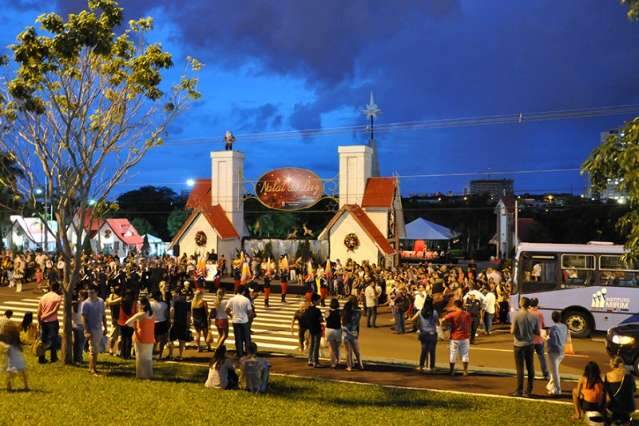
column 190, row 182
column 38, row 191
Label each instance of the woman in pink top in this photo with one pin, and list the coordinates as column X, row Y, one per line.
column 143, row 324
column 538, row 341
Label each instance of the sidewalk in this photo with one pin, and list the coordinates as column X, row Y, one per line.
column 386, row 374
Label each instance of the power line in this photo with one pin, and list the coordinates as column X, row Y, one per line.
column 517, row 118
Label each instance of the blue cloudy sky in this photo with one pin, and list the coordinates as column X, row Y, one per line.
column 298, row 64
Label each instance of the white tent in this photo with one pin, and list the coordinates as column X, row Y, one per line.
column 422, row 229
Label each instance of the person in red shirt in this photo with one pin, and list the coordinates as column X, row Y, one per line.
column 460, row 323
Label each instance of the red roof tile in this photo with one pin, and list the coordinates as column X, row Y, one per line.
column 379, row 192
column 125, row 231
column 200, row 195
column 216, row 217
column 366, row 223
column 90, row 223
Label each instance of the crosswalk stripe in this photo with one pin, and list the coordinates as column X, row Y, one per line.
column 270, row 328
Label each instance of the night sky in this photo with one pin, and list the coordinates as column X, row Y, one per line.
column 296, row 64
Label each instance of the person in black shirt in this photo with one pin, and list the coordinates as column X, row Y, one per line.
column 473, row 307
column 334, row 331
column 313, row 320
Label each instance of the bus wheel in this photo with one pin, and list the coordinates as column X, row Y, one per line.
column 578, row 322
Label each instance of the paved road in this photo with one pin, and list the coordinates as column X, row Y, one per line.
column 271, row 331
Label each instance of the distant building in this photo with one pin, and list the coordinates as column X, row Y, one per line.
column 611, row 191
column 496, row 188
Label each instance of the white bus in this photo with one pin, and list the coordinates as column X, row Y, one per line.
column 588, row 283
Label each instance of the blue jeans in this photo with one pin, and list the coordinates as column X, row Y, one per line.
column 313, row 350
column 49, row 336
column 554, row 385
column 429, row 346
column 371, row 316
column 488, row 322
column 539, row 348
column 399, row 322
column 242, row 334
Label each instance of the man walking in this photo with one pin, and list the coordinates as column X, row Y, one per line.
column 95, row 326
column 372, row 293
column 313, row 319
column 48, row 319
column 490, row 301
column 557, row 335
column 524, row 327
column 240, row 310
column 459, row 322
column 473, row 307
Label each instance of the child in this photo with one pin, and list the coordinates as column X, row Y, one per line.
column 15, row 358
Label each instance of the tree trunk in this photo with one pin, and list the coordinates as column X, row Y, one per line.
column 67, row 339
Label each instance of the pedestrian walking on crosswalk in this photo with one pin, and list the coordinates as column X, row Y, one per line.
column 218, row 314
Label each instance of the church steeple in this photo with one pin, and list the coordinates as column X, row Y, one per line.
column 371, row 111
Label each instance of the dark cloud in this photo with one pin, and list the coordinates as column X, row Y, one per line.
column 319, row 40
column 428, row 60
column 257, row 119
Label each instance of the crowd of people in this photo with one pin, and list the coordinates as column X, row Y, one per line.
column 155, row 302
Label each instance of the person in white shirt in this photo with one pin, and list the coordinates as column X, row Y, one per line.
column 240, row 311
column 372, row 293
column 490, row 301
column 162, row 324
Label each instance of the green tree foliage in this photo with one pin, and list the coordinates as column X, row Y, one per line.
column 154, row 204
column 85, row 103
column 175, row 221
column 10, row 200
column 618, row 159
column 146, row 248
column 142, row 225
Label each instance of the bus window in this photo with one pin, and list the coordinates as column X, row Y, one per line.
column 577, row 270
column 616, row 272
column 538, row 273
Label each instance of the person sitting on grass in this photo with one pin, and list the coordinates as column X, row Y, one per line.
column 254, row 371
column 15, row 357
column 619, row 388
column 221, row 371
column 589, row 393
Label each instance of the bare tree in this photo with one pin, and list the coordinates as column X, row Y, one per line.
column 83, row 108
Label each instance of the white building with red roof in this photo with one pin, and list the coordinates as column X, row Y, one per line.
column 117, row 237
column 216, row 222
column 370, row 221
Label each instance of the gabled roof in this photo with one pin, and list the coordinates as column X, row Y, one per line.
column 422, row 229
column 125, row 231
column 508, row 202
column 89, row 223
column 200, row 195
column 379, row 192
column 365, row 223
column 215, row 216
column 34, row 229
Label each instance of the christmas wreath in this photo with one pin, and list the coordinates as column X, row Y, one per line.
column 351, row 242
column 200, row 238
column 107, row 233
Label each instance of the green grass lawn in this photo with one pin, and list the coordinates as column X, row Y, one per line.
column 69, row 395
